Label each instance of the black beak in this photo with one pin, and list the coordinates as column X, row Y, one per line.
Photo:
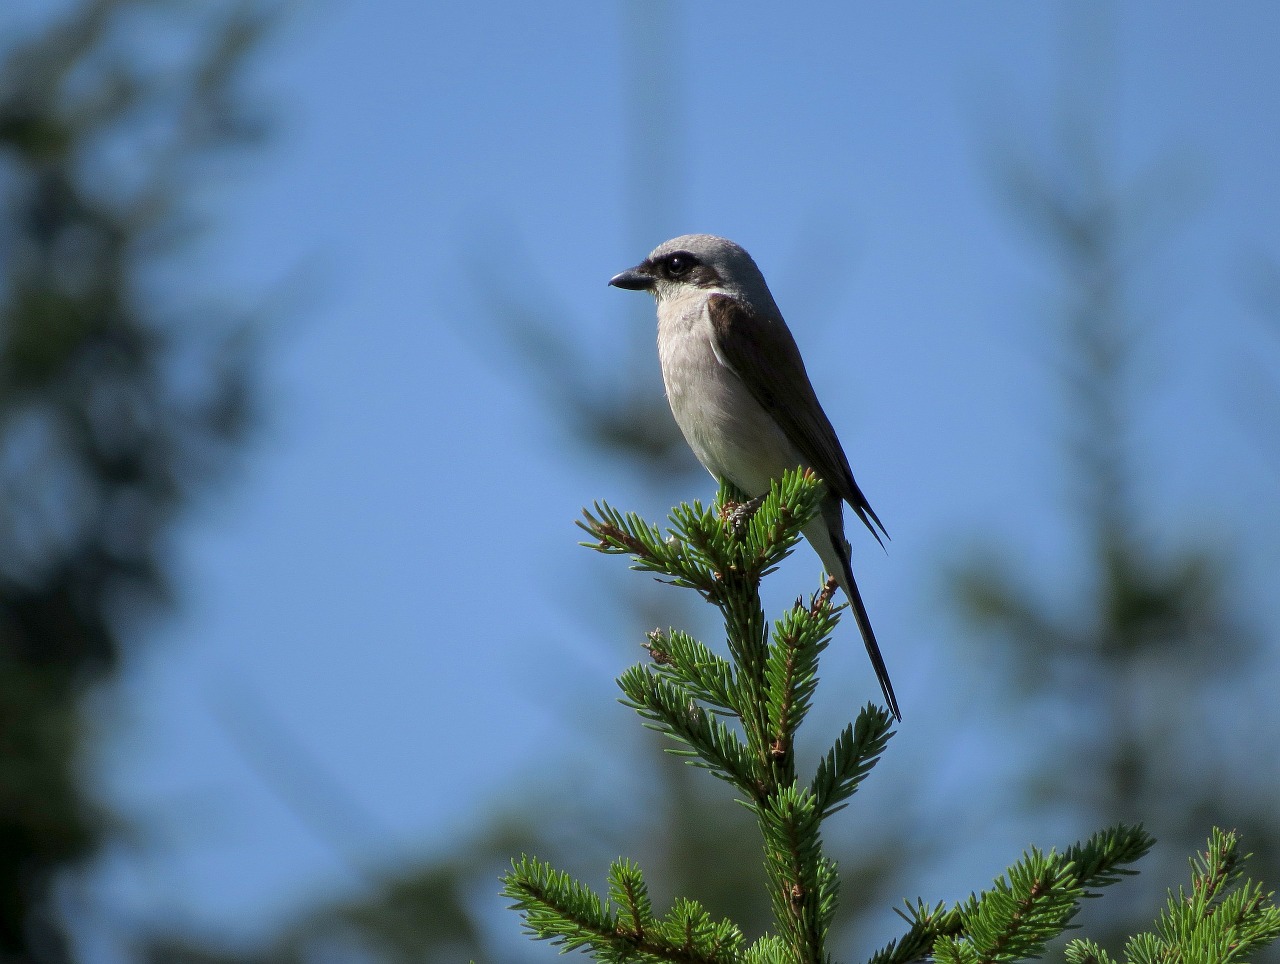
column 633, row 279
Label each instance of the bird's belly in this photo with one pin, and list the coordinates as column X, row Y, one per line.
column 729, row 431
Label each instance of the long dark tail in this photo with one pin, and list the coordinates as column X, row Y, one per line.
column 869, row 639
column 860, row 616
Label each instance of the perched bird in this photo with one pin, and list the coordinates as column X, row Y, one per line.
column 741, row 396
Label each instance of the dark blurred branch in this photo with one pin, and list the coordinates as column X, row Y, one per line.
column 121, row 401
column 1258, row 386
column 1155, row 623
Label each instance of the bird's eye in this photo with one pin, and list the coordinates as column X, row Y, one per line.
column 679, row 265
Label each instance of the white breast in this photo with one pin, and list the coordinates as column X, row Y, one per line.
column 728, row 430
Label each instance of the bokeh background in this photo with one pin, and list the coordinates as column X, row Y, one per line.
column 307, row 365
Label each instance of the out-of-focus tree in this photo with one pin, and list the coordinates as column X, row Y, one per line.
column 1258, row 385
column 1126, row 664
column 124, row 394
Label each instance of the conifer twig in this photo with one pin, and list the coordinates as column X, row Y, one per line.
column 737, row 716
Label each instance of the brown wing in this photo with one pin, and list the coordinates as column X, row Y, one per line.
column 759, row 349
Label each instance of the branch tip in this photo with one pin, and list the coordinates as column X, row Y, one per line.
column 822, row 598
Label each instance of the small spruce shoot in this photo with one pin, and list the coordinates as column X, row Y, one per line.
column 738, row 717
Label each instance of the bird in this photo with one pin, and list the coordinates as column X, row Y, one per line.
column 742, row 398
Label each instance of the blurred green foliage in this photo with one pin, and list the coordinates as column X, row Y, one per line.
column 1127, row 650
column 121, row 398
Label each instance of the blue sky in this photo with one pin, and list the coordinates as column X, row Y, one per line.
column 394, row 578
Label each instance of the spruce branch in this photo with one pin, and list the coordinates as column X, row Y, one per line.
column 769, row 949
column 690, row 934
column 671, row 709
column 558, row 909
column 850, row 759
column 793, row 859
column 619, row 533
column 1223, row 919
column 1105, row 857
column 738, row 717
column 710, row 678
column 791, row 669
column 1033, row 902
column 928, row 923
column 628, row 892
column 1086, row 952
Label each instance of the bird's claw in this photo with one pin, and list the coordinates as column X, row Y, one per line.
column 738, row 514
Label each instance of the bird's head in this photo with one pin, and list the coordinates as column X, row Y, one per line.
column 694, row 263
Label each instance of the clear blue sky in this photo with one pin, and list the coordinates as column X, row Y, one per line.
column 395, row 575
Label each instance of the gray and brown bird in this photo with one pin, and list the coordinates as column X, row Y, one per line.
column 740, row 394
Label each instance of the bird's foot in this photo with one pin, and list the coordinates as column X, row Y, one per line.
column 738, row 514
